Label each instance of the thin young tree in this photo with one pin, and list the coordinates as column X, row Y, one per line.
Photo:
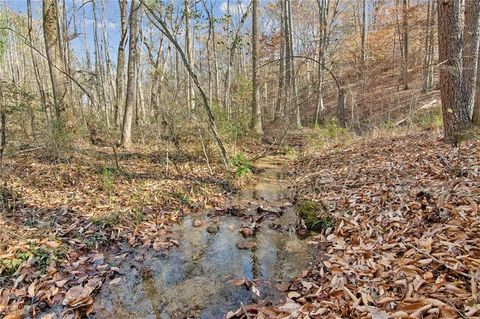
column 405, row 46
column 55, row 61
column 471, row 47
column 126, row 140
column 119, row 80
column 256, row 124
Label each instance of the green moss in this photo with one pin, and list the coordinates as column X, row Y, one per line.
column 315, row 219
column 107, row 221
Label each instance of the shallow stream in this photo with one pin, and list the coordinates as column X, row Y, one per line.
column 200, row 278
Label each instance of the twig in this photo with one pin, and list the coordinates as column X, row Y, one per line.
column 455, row 308
column 117, row 165
column 440, row 262
column 245, row 310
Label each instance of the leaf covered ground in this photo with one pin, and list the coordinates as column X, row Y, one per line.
column 62, row 220
column 405, row 243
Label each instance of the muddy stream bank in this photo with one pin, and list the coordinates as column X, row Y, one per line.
column 200, row 278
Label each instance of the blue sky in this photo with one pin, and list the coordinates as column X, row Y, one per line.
column 112, row 17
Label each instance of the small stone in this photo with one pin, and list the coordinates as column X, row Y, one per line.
column 246, row 244
column 213, row 229
column 246, row 232
column 197, row 223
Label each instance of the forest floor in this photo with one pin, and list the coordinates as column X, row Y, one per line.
column 60, row 216
column 404, row 242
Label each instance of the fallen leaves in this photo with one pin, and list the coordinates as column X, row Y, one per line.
column 405, row 243
column 69, row 211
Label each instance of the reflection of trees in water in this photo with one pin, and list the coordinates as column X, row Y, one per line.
column 151, row 292
column 256, row 265
column 278, row 267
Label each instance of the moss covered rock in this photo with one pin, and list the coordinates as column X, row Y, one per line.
column 314, row 216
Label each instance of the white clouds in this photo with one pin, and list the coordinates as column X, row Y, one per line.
column 109, row 24
column 236, row 7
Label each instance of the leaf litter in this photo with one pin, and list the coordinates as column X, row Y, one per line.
column 59, row 238
column 405, row 243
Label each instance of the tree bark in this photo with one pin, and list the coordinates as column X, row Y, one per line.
column 119, row 81
column 471, row 42
column 131, row 75
column 256, row 124
column 55, row 61
column 456, row 117
column 405, row 44
column 342, row 117
column 190, row 57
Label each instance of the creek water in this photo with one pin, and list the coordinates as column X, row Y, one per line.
column 196, row 279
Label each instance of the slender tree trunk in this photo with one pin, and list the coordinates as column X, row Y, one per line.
column 190, row 58
column 256, row 124
column 281, row 72
column 3, row 126
column 456, row 117
column 322, row 32
column 341, row 113
column 119, row 81
column 55, row 61
column 298, row 120
column 470, row 54
column 131, row 74
column 36, row 71
column 431, row 45
column 363, row 43
column 405, row 33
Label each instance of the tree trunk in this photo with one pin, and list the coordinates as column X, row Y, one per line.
column 405, row 44
column 426, row 56
column 322, row 34
column 3, row 123
column 43, row 97
column 293, row 78
column 342, row 117
column 131, row 75
column 454, row 100
column 281, row 70
column 256, row 124
column 55, row 61
column 190, row 58
column 470, row 53
column 119, row 81
column 363, row 41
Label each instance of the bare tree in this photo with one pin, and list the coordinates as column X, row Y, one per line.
column 190, row 57
column 405, row 46
column 55, row 60
column 429, row 47
column 256, row 123
column 119, row 80
column 131, row 74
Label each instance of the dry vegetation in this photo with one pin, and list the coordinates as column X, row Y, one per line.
column 405, row 241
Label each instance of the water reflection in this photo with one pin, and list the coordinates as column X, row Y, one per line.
column 193, row 280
